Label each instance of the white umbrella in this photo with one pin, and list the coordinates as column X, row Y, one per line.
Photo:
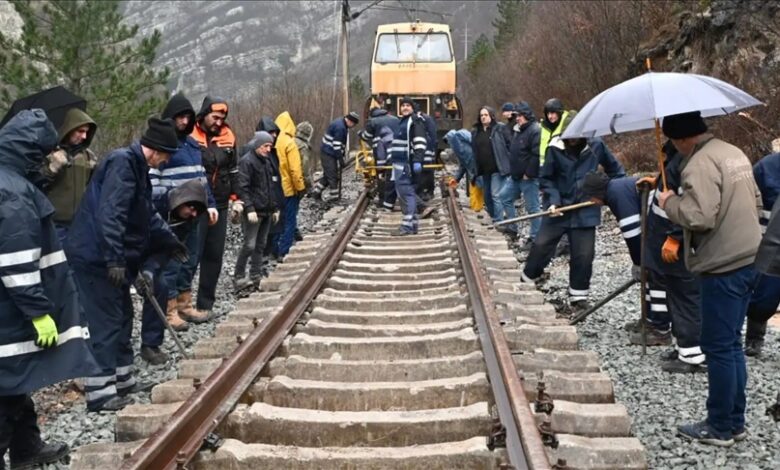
column 636, row 104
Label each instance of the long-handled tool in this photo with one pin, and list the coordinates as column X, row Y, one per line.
column 147, row 291
column 579, row 205
column 581, row 316
column 645, row 189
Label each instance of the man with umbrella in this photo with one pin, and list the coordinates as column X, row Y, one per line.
column 717, row 208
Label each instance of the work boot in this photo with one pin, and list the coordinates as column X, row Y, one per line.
column 400, row 233
column 138, row 387
column 754, row 337
column 654, row 337
column 670, row 355
column 114, row 404
column 172, row 315
column 49, row 453
column 187, row 312
column 241, row 284
column 427, row 212
column 153, row 355
column 677, row 366
column 579, row 306
column 298, row 236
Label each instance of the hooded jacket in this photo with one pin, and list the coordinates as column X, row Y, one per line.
column 259, row 182
column 303, row 133
column 218, row 155
column 34, row 274
column 460, row 143
column 66, row 187
column 524, row 150
column 290, row 167
column 562, row 176
column 116, row 223
column 717, row 208
column 499, row 140
column 548, row 131
column 185, row 165
column 378, row 119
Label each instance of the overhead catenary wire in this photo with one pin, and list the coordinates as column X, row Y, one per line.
column 337, row 15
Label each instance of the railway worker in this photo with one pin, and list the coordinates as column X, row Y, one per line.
column 218, row 153
column 114, row 227
column 332, row 153
column 381, row 125
column 426, row 184
column 718, row 211
column 303, row 133
column 259, row 188
column 561, row 178
column 673, row 289
column 552, row 125
column 43, row 336
column 509, row 112
column 407, row 155
column 460, row 143
column 67, row 170
column 490, row 141
column 524, row 178
column 293, row 185
column 185, row 165
column 670, row 291
column 766, row 296
column 181, row 207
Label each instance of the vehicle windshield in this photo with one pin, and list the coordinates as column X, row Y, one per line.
column 413, row 47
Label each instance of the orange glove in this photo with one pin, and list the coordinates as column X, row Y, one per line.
column 670, row 251
column 452, row 182
column 650, row 180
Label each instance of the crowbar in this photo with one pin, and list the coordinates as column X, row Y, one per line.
column 148, row 294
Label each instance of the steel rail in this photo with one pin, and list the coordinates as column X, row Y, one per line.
column 523, row 441
column 180, row 438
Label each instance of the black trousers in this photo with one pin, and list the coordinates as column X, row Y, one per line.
column 19, row 431
column 583, row 249
column 425, row 184
column 682, row 301
column 330, row 174
column 212, row 247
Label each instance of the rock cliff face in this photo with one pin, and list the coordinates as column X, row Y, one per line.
column 232, row 47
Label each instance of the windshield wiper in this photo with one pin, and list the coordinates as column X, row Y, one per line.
column 397, row 44
column 425, row 38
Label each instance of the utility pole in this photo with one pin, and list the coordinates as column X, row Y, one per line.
column 345, row 18
column 466, row 43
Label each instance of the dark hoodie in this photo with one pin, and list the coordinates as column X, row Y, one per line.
column 178, row 105
column 491, row 147
column 66, row 187
column 218, row 154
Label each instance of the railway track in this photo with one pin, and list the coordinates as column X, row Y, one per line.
column 364, row 350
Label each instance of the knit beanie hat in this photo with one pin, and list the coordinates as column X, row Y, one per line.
column 508, row 107
column 260, row 138
column 406, row 100
column 595, row 185
column 160, row 135
column 352, row 116
column 680, row 126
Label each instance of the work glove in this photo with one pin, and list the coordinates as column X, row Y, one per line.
column 648, row 180
column 636, row 273
column 452, row 182
column 57, row 161
column 236, row 209
column 417, row 168
column 275, row 217
column 554, row 211
column 213, row 216
column 180, row 252
column 116, row 275
column 145, row 283
column 47, row 331
column 670, row 251
column 252, row 217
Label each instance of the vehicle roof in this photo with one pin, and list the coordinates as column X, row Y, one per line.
column 420, row 27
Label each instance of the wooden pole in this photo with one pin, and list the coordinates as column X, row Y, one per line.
column 658, row 144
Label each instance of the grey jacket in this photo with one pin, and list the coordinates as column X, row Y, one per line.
column 717, row 207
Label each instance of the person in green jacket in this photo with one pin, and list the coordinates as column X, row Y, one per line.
column 66, row 171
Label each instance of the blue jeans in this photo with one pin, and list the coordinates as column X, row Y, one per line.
column 287, row 237
column 529, row 190
column 724, row 303
column 491, row 187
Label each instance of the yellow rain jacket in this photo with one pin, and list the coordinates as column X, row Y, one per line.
column 289, row 158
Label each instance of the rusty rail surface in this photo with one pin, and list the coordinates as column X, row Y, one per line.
column 523, row 441
column 177, row 442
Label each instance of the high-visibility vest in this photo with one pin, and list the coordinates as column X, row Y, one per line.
column 547, row 136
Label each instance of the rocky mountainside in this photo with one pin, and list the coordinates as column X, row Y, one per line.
column 232, row 47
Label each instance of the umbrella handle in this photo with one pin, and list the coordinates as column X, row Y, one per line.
column 660, row 153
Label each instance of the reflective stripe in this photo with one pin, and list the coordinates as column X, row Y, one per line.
column 420, row 139
column 632, row 233
column 765, row 214
column 387, row 204
column 22, row 280
column 629, row 220
column 125, row 383
column 659, row 212
column 398, row 166
column 102, row 393
column 661, row 294
column 574, row 292
column 19, row 257
column 180, row 170
column 52, row 259
column 690, row 351
column 124, row 370
column 658, row 308
column 691, row 355
column 98, row 381
column 25, row 347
